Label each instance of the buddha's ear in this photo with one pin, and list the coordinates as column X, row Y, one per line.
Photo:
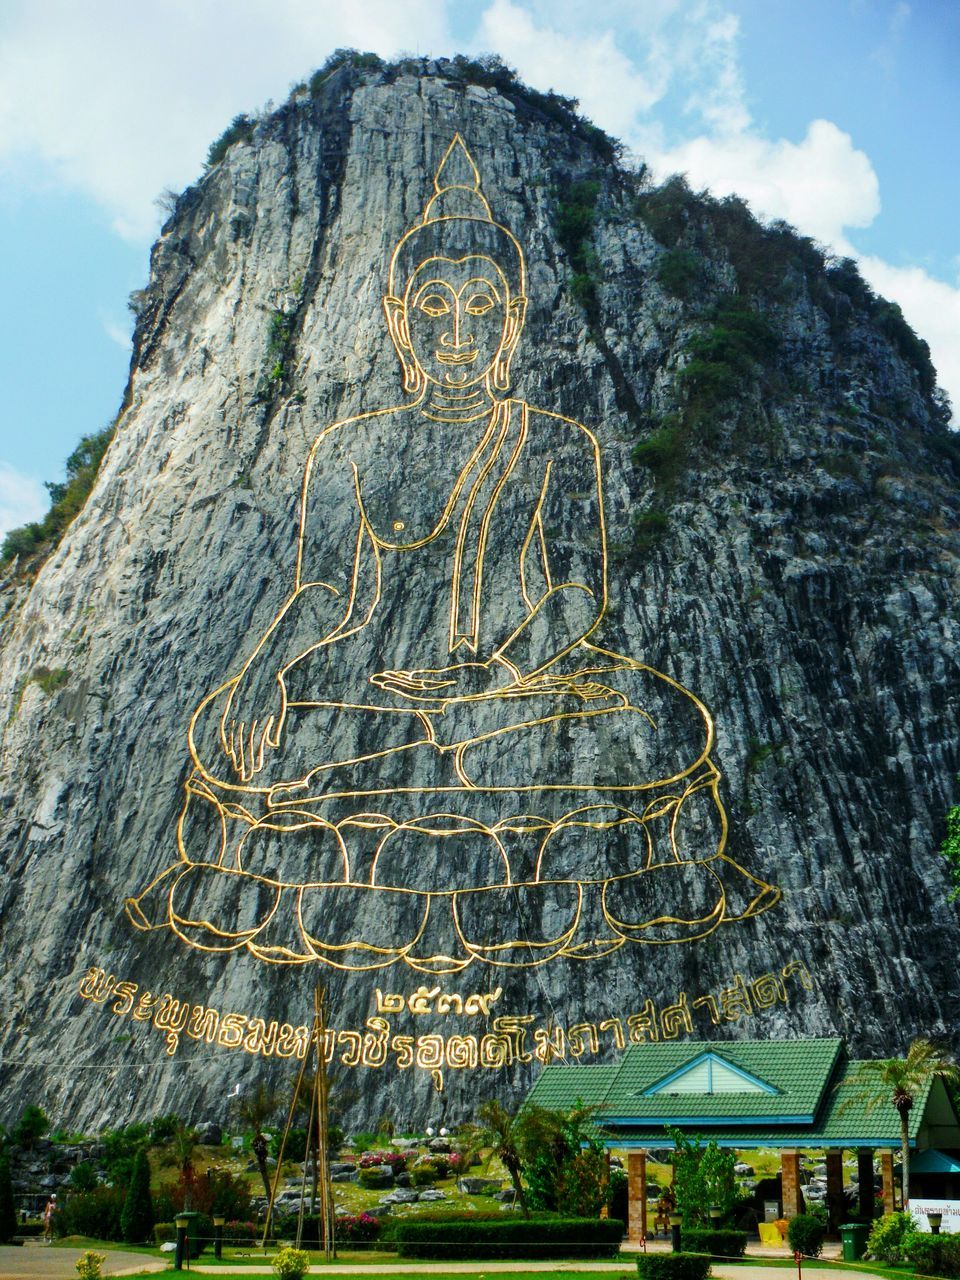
column 396, row 312
column 516, row 310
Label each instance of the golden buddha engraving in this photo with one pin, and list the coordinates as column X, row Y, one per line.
column 424, row 759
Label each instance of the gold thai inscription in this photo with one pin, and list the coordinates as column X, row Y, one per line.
column 511, row 1039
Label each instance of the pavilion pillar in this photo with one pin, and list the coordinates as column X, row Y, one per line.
column 889, row 1190
column 790, row 1183
column 865, row 1179
column 636, row 1196
column 835, row 1201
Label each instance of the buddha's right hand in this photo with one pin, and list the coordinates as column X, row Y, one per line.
column 247, row 727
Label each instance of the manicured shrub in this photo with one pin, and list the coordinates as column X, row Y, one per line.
column 422, row 1175
column 291, row 1264
column 887, row 1235
column 931, row 1255
column 673, row 1266
column 136, row 1218
column 88, row 1265
column 806, row 1233
column 509, row 1238
column 375, row 1178
column 718, row 1243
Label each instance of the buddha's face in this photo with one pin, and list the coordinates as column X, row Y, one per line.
column 458, row 318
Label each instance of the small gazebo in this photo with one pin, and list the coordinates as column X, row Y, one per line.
column 746, row 1094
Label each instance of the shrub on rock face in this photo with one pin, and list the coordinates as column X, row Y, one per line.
column 673, row 1266
column 805, row 1233
column 717, row 1243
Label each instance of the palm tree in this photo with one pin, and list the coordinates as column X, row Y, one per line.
column 183, row 1141
column 900, row 1081
column 507, row 1135
column 255, row 1110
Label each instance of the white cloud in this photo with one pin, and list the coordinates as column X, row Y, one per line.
column 822, row 185
column 930, row 306
column 22, row 498
column 118, row 333
column 611, row 87
column 120, row 100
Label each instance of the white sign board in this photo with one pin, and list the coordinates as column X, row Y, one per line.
column 920, row 1207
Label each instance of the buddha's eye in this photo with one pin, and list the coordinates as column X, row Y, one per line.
column 478, row 304
column 434, row 304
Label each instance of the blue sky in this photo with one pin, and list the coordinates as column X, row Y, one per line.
column 842, row 116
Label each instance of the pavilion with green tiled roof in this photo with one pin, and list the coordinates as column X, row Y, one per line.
column 747, row 1094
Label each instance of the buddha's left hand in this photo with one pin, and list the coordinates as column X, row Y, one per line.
column 466, row 681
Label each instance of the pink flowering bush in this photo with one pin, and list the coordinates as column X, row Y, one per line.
column 357, row 1228
column 393, row 1159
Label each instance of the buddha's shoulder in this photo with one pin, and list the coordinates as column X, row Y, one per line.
column 565, row 434
column 349, row 434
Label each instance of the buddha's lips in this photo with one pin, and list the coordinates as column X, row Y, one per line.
column 461, row 357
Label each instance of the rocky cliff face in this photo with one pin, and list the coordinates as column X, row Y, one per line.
column 781, row 530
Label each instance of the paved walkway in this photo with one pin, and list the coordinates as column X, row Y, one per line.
column 47, row 1262
column 624, row 1267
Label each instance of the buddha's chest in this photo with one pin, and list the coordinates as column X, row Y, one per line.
column 427, row 492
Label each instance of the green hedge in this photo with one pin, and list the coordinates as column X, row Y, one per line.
column 510, row 1238
column 719, row 1243
column 806, row 1234
column 673, row 1266
column 933, row 1255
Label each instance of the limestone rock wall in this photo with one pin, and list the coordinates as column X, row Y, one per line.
column 804, row 589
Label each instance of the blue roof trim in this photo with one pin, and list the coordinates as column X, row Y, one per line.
column 659, row 1085
column 723, row 1122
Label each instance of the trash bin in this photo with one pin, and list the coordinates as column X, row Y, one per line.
column 854, row 1236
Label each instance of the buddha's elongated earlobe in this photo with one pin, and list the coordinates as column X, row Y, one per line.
column 395, row 311
column 500, row 376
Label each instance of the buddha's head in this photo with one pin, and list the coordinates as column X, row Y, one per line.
column 457, row 288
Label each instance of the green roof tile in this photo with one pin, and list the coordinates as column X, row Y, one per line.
column 817, row 1101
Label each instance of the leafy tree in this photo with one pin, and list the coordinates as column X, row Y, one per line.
column 83, row 1177
column 899, row 1081
column 8, row 1211
column 136, row 1218
column 120, row 1150
column 703, row 1179
column 31, row 1126
column 566, row 1164
column 255, row 1110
